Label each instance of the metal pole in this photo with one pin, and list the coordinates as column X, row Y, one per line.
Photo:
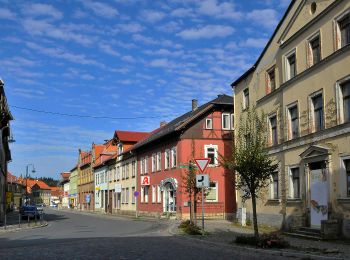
column 28, row 219
column 19, row 220
column 27, row 185
column 203, row 209
column 5, row 219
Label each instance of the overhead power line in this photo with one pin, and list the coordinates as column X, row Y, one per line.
column 81, row 116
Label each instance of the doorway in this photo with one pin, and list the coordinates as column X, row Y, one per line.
column 169, row 198
column 318, row 194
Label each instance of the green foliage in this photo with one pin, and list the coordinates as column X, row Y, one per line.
column 185, row 224
column 49, row 181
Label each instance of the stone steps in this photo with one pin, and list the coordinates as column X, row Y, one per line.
column 306, row 232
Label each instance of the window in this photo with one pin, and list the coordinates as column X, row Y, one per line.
column 173, row 157
column 232, row 121
column 153, row 194
column 146, row 164
column 127, row 195
column 274, row 186
column 123, row 195
column 118, row 173
column 120, row 148
column 317, row 109
column 142, row 194
column 211, row 151
column 141, row 166
column 132, row 195
column 343, row 91
column 159, row 161
column 347, row 170
column 159, row 194
column 294, row 180
column 273, row 130
column 271, row 81
column 315, row 50
column 225, row 121
column 212, row 193
column 293, row 126
column 290, row 66
column 245, row 98
column 146, row 194
column 167, row 159
column 127, row 170
column 123, row 172
column 154, row 162
column 133, row 169
column 208, row 123
column 344, row 30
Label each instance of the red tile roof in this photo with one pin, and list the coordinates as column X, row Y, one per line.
column 65, row 175
column 129, row 136
column 30, row 183
column 11, row 178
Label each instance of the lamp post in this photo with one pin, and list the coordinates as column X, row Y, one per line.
column 33, row 171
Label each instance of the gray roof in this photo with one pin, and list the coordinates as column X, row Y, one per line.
column 182, row 121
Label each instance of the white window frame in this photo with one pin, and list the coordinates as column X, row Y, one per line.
column 215, row 154
column 291, row 184
column 310, row 58
column 127, row 193
column 312, row 127
column 118, row 173
column 232, row 121
column 343, row 178
column 154, row 162
column 133, row 168
column 146, row 191
column 245, row 103
column 159, row 161
column 146, row 164
column 208, row 123
column 173, row 157
column 132, row 195
column 141, row 166
column 289, row 120
column 167, row 161
column 142, row 194
column 228, row 117
column 270, row 129
column 159, row 194
column 337, row 28
column 339, row 97
column 154, row 194
column 268, row 76
column 272, row 188
column 216, row 192
column 287, row 75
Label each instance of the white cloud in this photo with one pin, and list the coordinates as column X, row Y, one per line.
column 130, row 27
column 264, row 17
column 161, row 63
column 44, row 28
column 144, row 39
column 169, row 27
column 101, row 9
column 254, row 42
column 106, row 48
column 152, row 16
column 36, row 10
column 7, row 14
column 224, row 10
column 29, row 93
column 206, row 32
column 182, row 12
column 128, row 58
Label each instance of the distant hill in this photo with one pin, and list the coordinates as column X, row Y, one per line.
column 49, row 181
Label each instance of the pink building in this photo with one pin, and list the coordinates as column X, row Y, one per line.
column 163, row 159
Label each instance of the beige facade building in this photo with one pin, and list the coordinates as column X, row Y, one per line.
column 301, row 81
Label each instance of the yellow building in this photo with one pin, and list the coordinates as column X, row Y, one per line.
column 301, row 81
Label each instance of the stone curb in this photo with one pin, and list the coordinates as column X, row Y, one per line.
column 286, row 253
column 23, row 227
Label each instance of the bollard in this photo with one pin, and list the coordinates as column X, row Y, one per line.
column 28, row 220
column 5, row 220
column 19, row 220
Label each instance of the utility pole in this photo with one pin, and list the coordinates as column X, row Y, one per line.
column 33, row 171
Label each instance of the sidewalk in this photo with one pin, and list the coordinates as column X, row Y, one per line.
column 224, row 232
column 15, row 223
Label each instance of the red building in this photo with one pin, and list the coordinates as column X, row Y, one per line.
column 164, row 156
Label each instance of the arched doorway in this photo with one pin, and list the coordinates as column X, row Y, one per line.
column 169, row 187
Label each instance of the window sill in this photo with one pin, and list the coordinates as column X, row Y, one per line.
column 296, row 200
column 273, row 201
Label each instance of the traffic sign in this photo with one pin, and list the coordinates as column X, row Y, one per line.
column 202, row 181
column 202, row 163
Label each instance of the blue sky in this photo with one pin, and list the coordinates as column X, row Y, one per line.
column 144, row 60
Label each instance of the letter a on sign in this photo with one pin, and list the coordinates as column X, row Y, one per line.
column 145, row 180
column 202, row 163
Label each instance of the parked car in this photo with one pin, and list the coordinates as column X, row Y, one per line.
column 29, row 210
column 40, row 206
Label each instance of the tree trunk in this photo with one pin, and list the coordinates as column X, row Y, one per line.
column 255, row 218
column 191, row 206
column 195, row 207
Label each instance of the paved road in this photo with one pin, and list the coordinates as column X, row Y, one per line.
column 84, row 236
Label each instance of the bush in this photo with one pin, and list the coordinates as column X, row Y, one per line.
column 190, row 228
column 272, row 240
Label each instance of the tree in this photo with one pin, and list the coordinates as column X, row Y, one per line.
column 250, row 160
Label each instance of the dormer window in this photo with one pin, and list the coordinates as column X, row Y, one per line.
column 120, row 148
column 208, row 123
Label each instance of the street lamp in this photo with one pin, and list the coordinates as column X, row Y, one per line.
column 33, row 171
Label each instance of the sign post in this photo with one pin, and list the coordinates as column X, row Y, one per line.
column 202, row 181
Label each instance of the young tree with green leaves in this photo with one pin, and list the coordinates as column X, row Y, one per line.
column 250, row 160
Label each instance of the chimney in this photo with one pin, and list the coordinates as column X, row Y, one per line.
column 162, row 123
column 194, row 104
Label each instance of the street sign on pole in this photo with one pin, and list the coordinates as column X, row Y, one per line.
column 202, row 163
column 202, row 180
